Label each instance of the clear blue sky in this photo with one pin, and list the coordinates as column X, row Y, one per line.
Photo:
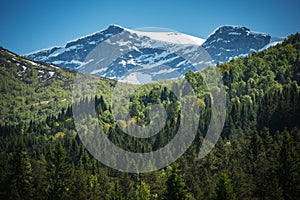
column 26, row 26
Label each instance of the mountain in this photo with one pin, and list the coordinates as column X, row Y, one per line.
column 34, row 90
column 74, row 52
column 155, row 59
column 141, row 57
column 137, row 56
column 228, row 42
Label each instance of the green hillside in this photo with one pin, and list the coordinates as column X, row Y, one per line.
column 32, row 91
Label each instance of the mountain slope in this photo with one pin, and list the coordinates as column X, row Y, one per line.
column 33, row 90
column 74, row 52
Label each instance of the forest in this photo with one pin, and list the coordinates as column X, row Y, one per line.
column 256, row 157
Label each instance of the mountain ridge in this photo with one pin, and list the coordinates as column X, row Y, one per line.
column 225, row 43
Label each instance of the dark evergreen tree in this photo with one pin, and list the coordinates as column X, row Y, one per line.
column 224, row 190
column 126, row 186
column 115, row 192
column 176, row 187
column 21, row 180
column 40, row 176
column 289, row 170
column 142, row 191
column 80, row 184
column 60, row 174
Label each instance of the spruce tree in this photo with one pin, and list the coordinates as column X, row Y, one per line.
column 41, row 184
column 60, row 173
column 115, row 192
column 224, row 190
column 288, row 168
column 142, row 191
column 21, row 180
column 80, row 183
column 176, row 187
column 126, row 186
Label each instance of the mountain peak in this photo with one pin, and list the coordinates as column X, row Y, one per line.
column 233, row 27
column 114, row 27
column 228, row 41
column 227, row 29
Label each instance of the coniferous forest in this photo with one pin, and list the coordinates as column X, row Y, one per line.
column 256, row 157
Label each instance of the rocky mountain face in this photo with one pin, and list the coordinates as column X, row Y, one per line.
column 139, row 57
column 228, row 42
column 74, row 52
column 136, row 57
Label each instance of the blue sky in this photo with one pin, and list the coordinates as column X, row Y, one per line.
column 30, row 25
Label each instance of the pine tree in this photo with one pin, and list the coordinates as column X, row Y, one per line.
column 142, row 191
column 40, row 184
column 60, row 173
column 101, row 183
column 126, row 186
column 80, row 183
column 21, row 180
column 115, row 192
column 176, row 187
column 5, row 175
column 224, row 190
column 266, row 172
column 288, row 168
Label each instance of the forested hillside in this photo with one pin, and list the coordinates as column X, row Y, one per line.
column 31, row 90
column 257, row 156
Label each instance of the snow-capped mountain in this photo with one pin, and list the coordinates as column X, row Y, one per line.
column 74, row 52
column 228, row 42
column 140, row 56
column 135, row 56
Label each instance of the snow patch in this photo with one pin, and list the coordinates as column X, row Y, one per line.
column 54, row 66
column 170, row 37
column 42, row 50
column 58, row 62
column 123, row 63
column 270, row 45
column 98, row 71
column 164, row 71
column 57, row 52
column 136, row 78
column 33, row 63
column 51, row 73
column 234, row 33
